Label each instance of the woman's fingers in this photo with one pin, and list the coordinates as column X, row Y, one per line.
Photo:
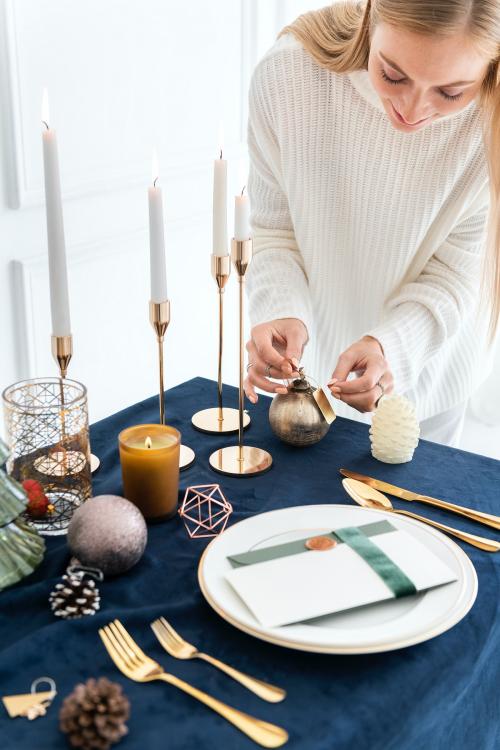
column 274, row 351
column 262, row 338
column 366, row 401
column 250, row 391
column 257, row 381
column 257, row 366
column 258, row 373
column 346, row 362
column 363, row 402
column 366, row 382
column 296, row 341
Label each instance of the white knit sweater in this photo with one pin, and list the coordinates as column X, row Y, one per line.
column 362, row 229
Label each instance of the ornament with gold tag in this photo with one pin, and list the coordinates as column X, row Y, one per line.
column 31, row 705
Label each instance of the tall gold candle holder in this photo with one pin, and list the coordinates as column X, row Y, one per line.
column 221, row 419
column 159, row 316
column 241, row 460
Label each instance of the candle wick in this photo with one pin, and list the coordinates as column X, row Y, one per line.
column 155, row 181
column 243, row 190
column 43, row 121
column 220, row 157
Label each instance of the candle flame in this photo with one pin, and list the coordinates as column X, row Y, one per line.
column 155, row 169
column 221, row 139
column 147, row 443
column 45, row 108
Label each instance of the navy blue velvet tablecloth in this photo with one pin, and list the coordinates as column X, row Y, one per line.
column 441, row 694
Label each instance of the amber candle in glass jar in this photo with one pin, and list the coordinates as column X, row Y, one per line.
column 149, row 457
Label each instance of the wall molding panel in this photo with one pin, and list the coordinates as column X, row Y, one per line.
column 132, row 170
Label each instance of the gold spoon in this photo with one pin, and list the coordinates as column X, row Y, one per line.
column 369, row 497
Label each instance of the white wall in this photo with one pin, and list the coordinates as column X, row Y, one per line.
column 123, row 76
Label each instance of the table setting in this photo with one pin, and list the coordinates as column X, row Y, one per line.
column 437, row 691
column 182, row 574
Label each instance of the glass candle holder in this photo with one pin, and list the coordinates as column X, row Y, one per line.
column 149, row 457
column 46, row 421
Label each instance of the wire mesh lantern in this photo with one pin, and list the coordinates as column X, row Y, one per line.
column 47, row 430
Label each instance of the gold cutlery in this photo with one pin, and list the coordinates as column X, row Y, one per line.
column 135, row 665
column 475, row 515
column 181, row 649
column 369, row 497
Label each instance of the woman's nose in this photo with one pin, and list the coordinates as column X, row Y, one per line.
column 415, row 109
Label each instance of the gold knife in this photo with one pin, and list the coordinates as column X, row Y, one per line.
column 475, row 515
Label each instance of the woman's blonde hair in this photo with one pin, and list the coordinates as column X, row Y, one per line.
column 338, row 38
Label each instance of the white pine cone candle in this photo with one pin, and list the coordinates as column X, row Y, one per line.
column 395, row 430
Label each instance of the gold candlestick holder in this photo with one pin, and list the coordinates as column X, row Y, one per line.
column 241, row 460
column 62, row 351
column 220, row 420
column 159, row 317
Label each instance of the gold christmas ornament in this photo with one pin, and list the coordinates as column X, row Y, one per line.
column 395, row 430
column 302, row 416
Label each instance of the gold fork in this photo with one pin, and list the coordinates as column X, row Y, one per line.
column 181, row 649
column 135, row 665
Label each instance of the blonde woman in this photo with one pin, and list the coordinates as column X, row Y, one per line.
column 374, row 137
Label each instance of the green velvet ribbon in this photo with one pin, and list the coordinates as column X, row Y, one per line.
column 389, row 572
column 358, row 539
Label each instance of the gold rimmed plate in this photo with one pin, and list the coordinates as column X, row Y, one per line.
column 382, row 627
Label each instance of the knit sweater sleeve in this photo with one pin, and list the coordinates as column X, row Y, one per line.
column 427, row 311
column 276, row 280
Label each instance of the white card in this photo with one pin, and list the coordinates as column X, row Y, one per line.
column 314, row 583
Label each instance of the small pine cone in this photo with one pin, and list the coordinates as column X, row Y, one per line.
column 93, row 716
column 74, row 597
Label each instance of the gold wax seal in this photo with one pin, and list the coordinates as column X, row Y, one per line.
column 320, row 543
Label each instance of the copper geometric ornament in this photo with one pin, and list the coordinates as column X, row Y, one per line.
column 205, row 510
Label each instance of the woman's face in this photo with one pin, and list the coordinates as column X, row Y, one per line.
column 421, row 78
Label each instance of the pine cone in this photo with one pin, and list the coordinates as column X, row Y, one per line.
column 74, row 597
column 93, row 716
column 395, row 430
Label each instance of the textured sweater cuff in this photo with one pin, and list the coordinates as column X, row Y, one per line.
column 406, row 340
column 277, row 305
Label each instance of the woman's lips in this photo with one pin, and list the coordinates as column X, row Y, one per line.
column 405, row 122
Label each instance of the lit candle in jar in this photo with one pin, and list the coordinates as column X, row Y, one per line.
column 149, row 457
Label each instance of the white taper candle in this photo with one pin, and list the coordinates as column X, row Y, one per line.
column 220, row 245
column 242, row 216
column 158, row 266
column 58, row 275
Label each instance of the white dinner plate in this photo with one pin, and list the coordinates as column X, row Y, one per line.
column 380, row 627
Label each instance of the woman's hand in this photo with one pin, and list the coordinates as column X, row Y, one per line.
column 366, row 358
column 274, row 351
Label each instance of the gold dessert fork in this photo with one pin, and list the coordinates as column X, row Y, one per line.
column 181, row 649
column 135, row 665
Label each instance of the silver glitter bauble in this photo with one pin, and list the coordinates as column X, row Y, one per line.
column 109, row 533
column 295, row 417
